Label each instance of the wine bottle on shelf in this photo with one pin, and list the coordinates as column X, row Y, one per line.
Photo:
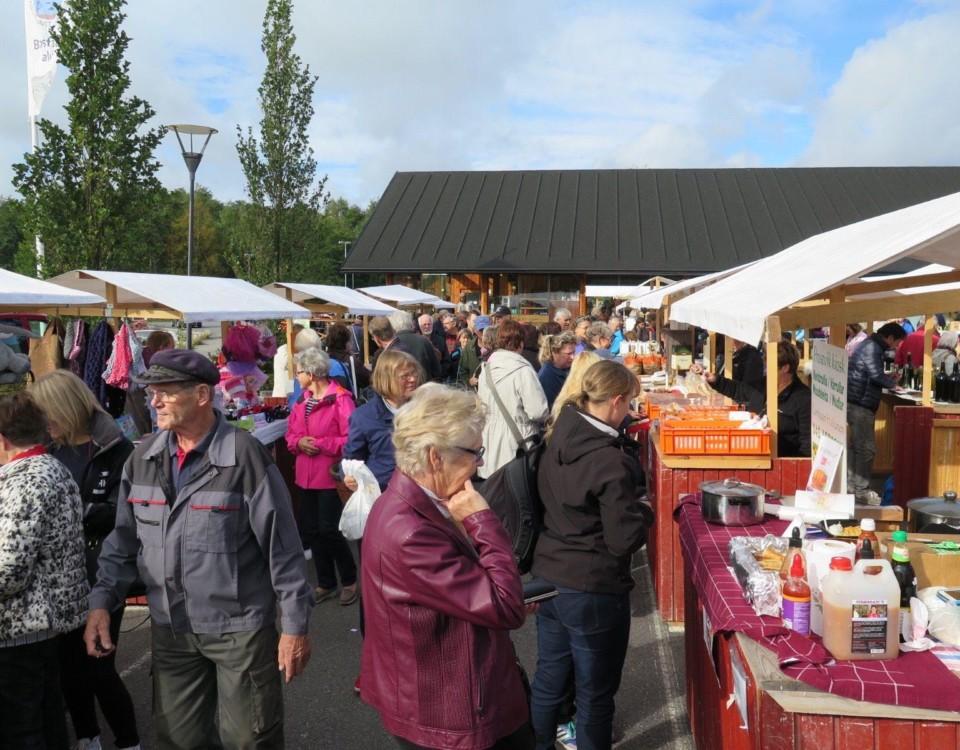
column 918, row 377
column 955, row 384
column 941, row 386
column 909, row 377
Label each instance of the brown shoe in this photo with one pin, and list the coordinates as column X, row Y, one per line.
column 348, row 595
column 322, row 595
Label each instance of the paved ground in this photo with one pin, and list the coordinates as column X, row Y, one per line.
column 322, row 712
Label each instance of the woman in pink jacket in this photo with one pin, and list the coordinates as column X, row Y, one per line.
column 316, row 434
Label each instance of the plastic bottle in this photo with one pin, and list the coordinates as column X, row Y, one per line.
column 797, row 598
column 868, row 532
column 861, row 609
column 906, row 577
column 793, row 549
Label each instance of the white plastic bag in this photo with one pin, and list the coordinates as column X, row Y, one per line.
column 358, row 507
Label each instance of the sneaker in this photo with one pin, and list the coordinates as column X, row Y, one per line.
column 85, row 743
column 348, row 595
column 322, row 595
column 567, row 736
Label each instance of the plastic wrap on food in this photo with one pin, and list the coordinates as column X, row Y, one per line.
column 753, row 560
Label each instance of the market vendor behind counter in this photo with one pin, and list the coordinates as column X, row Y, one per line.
column 793, row 401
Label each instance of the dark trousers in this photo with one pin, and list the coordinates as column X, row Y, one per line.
column 84, row 678
column 586, row 635
column 522, row 739
column 213, row 690
column 31, row 709
column 320, row 531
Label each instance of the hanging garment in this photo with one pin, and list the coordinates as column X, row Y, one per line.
column 69, row 333
column 78, row 354
column 137, row 365
column 117, row 372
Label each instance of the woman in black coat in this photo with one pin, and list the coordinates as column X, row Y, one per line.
column 594, row 520
column 88, row 442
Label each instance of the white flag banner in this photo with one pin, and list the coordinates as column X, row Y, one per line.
column 40, row 16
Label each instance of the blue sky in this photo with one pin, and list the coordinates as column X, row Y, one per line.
column 434, row 84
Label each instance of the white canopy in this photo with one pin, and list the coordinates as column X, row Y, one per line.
column 355, row 303
column 195, row 298
column 739, row 305
column 404, row 295
column 653, row 299
column 29, row 292
column 617, row 292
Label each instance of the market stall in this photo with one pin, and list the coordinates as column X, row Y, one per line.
column 192, row 299
column 334, row 300
column 404, row 296
column 754, row 684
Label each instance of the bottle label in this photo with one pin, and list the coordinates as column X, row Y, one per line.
column 869, row 626
column 796, row 614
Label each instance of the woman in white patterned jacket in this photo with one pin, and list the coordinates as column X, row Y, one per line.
column 43, row 581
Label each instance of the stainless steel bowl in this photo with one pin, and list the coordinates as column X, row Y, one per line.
column 730, row 502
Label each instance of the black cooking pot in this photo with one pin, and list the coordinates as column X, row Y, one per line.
column 935, row 515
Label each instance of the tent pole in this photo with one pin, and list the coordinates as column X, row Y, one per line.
column 290, row 353
column 773, row 387
column 366, row 340
column 728, row 357
column 928, row 328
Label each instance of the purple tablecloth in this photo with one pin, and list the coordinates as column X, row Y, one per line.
column 919, row 680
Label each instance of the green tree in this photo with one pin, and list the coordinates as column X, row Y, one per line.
column 280, row 171
column 90, row 190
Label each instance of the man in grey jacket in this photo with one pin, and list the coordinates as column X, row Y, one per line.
column 205, row 518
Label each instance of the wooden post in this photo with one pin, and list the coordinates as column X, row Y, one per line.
column 806, row 344
column 838, row 334
column 484, row 294
column 583, row 295
column 291, row 365
column 928, row 374
column 712, row 345
column 773, row 389
column 111, row 294
column 366, row 340
column 728, row 357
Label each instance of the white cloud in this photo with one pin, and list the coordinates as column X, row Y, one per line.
column 896, row 100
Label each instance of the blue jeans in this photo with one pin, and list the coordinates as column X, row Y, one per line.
column 586, row 635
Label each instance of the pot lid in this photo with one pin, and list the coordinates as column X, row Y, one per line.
column 732, row 488
column 946, row 506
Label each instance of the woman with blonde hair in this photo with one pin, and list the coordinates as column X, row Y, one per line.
column 594, row 520
column 556, row 356
column 573, row 384
column 441, row 590
column 88, row 442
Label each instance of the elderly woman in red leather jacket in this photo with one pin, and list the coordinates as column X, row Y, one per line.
column 441, row 590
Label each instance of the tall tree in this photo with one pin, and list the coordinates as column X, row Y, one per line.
column 279, row 167
column 89, row 190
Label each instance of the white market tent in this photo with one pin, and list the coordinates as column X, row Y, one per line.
column 404, row 296
column 741, row 304
column 616, row 292
column 653, row 299
column 190, row 298
column 351, row 301
column 26, row 292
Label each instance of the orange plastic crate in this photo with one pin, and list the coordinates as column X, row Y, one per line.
column 683, row 437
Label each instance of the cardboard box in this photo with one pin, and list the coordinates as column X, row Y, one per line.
column 932, row 568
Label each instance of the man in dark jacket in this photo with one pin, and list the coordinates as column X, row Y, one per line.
column 865, row 382
column 407, row 339
column 433, row 332
column 793, row 402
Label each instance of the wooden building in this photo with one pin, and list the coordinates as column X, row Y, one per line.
column 533, row 240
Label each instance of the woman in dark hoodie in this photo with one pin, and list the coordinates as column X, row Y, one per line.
column 594, row 520
column 88, row 442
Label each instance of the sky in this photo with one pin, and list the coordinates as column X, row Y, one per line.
column 543, row 84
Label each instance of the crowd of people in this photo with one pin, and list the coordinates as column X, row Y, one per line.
column 198, row 519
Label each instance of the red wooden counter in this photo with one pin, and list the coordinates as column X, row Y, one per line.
column 783, row 713
column 669, row 477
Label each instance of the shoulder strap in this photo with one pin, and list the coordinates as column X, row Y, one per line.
column 514, row 430
column 353, row 377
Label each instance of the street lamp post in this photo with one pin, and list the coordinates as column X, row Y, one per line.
column 192, row 159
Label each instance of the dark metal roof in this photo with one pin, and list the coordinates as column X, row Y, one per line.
column 653, row 221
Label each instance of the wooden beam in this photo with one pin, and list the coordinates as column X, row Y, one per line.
column 866, row 287
column 582, row 298
column 366, row 341
column 895, row 306
column 484, row 294
column 928, row 374
column 838, row 333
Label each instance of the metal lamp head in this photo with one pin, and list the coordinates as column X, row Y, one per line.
column 190, row 156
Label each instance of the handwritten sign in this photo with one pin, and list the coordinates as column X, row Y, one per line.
column 828, row 412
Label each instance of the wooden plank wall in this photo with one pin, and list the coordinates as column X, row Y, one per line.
column 913, row 426
column 666, row 486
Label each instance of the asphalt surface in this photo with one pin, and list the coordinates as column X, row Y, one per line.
column 321, row 710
